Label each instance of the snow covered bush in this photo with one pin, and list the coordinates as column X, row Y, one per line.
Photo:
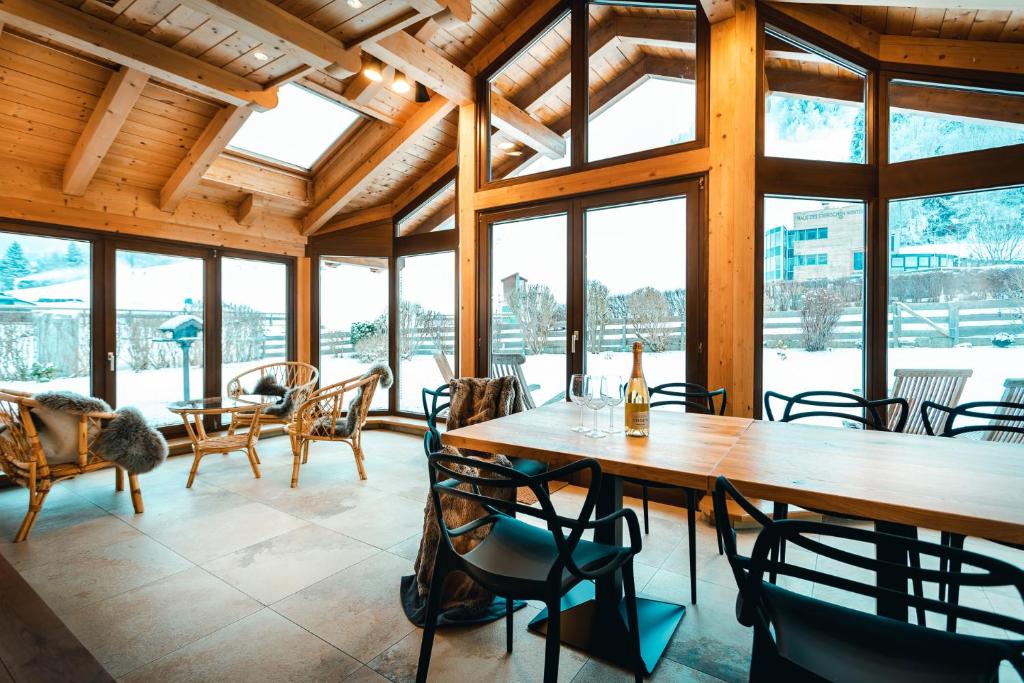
column 819, row 317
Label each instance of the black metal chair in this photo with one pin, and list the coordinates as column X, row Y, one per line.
column 802, row 638
column 694, row 398
column 521, row 561
column 1001, row 421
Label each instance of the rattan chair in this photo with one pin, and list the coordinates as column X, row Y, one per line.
column 291, row 374
column 322, row 417
column 25, row 464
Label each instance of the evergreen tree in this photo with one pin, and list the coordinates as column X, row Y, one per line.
column 74, row 255
column 14, row 266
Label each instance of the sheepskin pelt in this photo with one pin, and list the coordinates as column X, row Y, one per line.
column 70, row 402
column 268, row 386
column 131, row 443
column 283, row 408
column 347, row 426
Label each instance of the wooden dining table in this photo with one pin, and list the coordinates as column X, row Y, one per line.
column 902, row 481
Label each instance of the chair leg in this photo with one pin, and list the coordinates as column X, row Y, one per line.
column 945, row 538
column 779, row 512
column 430, row 621
column 253, row 461
column 647, row 525
column 297, row 458
column 955, row 541
column 691, row 531
column 509, row 603
column 914, row 560
column 118, row 479
column 35, row 504
column 357, row 451
column 553, row 640
column 133, row 481
column 195, row 468
column 256, row 455
column 633, row 620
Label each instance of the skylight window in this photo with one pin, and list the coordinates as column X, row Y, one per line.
column 297, row 131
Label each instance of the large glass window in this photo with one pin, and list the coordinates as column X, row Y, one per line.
column 435, row 214
column 426, row 325
column 956, row 286
column 353, row 318
column 642, row 78
column 814, row 104
column 45, row 313
column 934, row 119
column 626, row 304
column 254, row 315
column 530, row 102
column 813, row 306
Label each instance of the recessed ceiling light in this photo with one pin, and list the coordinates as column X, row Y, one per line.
column 507, row 145
column 262, row 56
column 400, row 84
column 355, row 4
column 517, row 153
column 373, row 71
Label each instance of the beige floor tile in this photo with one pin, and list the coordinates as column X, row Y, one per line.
column 137, row 627
column 47, row 545
column 668, row 671
column 409, row 548
column 383, row 520
column 81, row 579
column 276, row 568
column 263, row 647
column 357, row 609
column 366, row 675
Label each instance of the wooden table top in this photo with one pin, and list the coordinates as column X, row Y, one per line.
column 682, row 450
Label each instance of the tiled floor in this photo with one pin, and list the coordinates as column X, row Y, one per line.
column 248, row 580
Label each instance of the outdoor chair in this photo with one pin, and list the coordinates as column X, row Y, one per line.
column 693, row 398
column 917, row 386
column 511, row 365
column 444, row 366
column 522, row 561
column 801, row 638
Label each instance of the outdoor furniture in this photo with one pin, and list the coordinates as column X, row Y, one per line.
column 802, row 638
column 26, row 463
column 443, row 366
column 296, row 380
column 521, row 561
column 511, row 365
column 917, row 386
column 336, row 413
column 244, row 411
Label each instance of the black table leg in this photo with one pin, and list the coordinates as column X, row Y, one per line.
column 892, row 607
column 594, row 613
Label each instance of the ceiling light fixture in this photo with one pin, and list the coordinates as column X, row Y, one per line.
column 516, row 153
column 261, row 56
column 372, row 70
column 422, row 95
column 354, row 4
column 507, row 145
column 400, row 84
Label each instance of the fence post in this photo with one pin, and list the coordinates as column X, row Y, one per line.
column 953, row 322
column 897, row 324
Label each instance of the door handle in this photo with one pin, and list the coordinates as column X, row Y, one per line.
column 575, row 338
column 112, row 361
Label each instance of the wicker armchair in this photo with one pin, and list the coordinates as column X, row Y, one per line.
column 25, row 464
column 291, row 374
column 323, row 416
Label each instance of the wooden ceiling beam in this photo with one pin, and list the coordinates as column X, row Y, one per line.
column 236, row 174
column 950, row 102
column 399, row 23
column 782, row 81
column 718, row 10
column 112, row 108
column 833, row 24
column 519, row 125
column 55, row 21
column 250, row 209
column 425, row 117
column 459, row 9
column 276, row 27
column 374, row 214
column 203, row 153
column 952, row 54
column 922, row 4
column 421, row 63
column 438, row 217
column 425, row 182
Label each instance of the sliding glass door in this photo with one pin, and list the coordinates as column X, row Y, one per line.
column 253, row 315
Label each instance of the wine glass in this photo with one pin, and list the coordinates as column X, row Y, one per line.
column 614, row 392
column 579, row 390
column 595, row 402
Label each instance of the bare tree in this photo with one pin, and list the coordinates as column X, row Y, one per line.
column 998, row 241
column 648, row 311
column 537, row 311
column 819, row 317
column 598, row 314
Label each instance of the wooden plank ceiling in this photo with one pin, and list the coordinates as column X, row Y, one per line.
column 1005, row 26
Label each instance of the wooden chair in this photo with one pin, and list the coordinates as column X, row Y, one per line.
column 917, row 386
column 511, row 365
column 245, row 417
column 25, row 464
column 1013, row 393
column 290, row 374
column 445, row 368
column 322, row 417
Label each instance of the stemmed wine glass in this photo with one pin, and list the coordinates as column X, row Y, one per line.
column 579, row 391
column 595, row 402
column 613, row 391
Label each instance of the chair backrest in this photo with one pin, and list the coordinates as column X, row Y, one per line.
column 827, row 639
column 1001, row 421
column 435, row 402
column 291, row 374
column 695, row 398
column 511, row 365
column 321, row 412
column 445, row 368
column 917, row 386
column 20, row 447
column 837, row 405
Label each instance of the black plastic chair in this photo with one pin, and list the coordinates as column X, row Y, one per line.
column 801, row 638
column 521, row 561
column 998, row 421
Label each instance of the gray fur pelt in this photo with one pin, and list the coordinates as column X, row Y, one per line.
column 348, row 427
column 268, row 386
column 284, row 407
column 70, row 402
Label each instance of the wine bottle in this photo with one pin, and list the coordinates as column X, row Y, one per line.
column 638, row 399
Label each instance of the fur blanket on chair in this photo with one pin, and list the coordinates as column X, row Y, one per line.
column 268, row 386
column 347, row 425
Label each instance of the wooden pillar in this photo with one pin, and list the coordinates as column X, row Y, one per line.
column 465, row 213
column 731, row 207
column 303, row 317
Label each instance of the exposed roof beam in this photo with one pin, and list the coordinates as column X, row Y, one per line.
column 425, row 182
column 784, row 81
column 112, row 108
column 426, row 116
column 200, row 157
column 421, row 63
column 374, row 214
column 237, row 174
column 519, row 125
column 250, row 209
column 276, row 27
column 939, row 100
column 439, row 216
column 399, row 23
column 459, row 9
column 718, row 10
column 363, row 90
column 952, row 54
column 924, row 4
column 58, row 22
column 833, row 24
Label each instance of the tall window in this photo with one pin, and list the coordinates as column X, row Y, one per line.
column 426, row 325
column 353, row 318
column 813, row 335
column 956, row 286
column 45, row 313
column 435, row 214
column 814, row 104
column 254, row 315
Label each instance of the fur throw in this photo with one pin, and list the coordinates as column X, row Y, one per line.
column 347, row 427
column 268, row 386
column 283, row 408
column 126, row 440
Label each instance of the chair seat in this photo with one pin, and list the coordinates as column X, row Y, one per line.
column 224, row 443
column 528, row 467
column 521, row 551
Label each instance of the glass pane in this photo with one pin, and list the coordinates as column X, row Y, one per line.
column 426, row 310
column 45, row 314
column 956, row 287
column 159, row 307
column 353, row 318
column 528, row 298
column 813, row 295
column 933, row 119
column 530, row 107
column 642, row 78
column 254, row 315
column 434, row 215
column 814, row 106
column 627, row 303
